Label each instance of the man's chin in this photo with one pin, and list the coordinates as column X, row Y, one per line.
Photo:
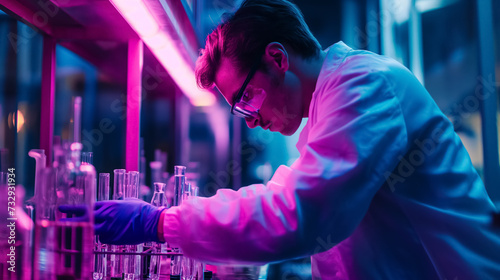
column 288, row 130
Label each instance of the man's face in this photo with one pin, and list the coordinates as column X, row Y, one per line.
column 275, row 92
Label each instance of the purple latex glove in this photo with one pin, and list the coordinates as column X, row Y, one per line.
column 130, row 221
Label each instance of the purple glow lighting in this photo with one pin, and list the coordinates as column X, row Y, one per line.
column 135, row 63
column 165, row 48
column 48, row 97
column 138, row 16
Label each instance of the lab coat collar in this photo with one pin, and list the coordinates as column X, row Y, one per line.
column 335, row 55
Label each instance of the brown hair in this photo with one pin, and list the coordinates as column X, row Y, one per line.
column 244, row 35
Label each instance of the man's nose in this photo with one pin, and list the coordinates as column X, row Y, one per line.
column 252, row 122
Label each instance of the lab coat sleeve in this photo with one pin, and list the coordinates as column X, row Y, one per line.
column 358, row 136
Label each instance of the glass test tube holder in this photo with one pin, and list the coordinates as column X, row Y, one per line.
column 137, row 258
column 128, row 261
column 117, row 252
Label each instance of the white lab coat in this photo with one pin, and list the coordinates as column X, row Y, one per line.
column 383, row 189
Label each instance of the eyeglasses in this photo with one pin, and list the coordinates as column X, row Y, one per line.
column 242, row 108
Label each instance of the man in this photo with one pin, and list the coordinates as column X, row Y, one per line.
column 383, row 188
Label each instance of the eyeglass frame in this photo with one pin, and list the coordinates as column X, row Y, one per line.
column 239, row 96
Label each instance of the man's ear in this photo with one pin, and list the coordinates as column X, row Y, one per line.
column 276, row 56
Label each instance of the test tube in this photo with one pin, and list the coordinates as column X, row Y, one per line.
column 103, row 187
column 118, row 184
column 132, row 189
column 180, row 180
column 155, row 263
column 126, row 185
column 115, row 262
column 132, row 263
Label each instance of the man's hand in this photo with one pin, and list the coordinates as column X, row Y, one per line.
column 129, row 221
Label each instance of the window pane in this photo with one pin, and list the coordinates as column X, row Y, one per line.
column 20, row 79
column 450, row 53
